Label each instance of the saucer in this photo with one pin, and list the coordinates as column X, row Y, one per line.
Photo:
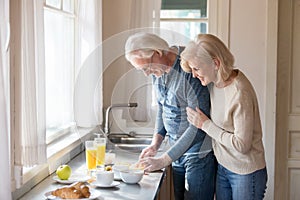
column 74, row 178
column 114, row 184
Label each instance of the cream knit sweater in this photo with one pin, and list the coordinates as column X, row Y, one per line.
column 235, row 126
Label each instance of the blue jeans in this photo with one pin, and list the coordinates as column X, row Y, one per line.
column 194, row 177
column 234, row 186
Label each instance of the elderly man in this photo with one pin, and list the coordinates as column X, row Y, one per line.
column 193, row 161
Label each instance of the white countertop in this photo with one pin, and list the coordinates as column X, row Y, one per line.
column 146, row 189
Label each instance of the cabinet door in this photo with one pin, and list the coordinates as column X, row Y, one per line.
column 294, row 177
column 166, row 191
column 287, row 175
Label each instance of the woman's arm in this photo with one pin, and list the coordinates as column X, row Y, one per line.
column 242, row 114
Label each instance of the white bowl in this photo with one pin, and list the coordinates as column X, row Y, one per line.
column 132, row 176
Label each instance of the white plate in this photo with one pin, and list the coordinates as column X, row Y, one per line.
column 94, row 195
column 114, row 184
column 74, row 178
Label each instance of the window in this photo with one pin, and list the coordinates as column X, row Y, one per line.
column 59, row 24
column 188, row 17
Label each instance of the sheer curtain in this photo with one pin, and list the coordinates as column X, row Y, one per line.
column 88, row 86
column 5, row 172
column 145, row 16
column 29, row 104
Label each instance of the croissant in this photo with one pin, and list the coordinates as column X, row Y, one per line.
column 77, row 185
column 85, row 190
column 77, row 190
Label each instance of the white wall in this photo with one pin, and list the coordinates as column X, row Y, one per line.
column 249, row 40
column 115, row 20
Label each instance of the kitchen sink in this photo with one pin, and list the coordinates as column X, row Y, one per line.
column 126, row 142
column 129, row 140
column 135, row 148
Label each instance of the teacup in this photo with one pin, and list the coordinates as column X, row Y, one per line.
column 104, row 178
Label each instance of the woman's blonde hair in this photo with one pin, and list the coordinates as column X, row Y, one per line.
column 143, row 45
column 204, row 49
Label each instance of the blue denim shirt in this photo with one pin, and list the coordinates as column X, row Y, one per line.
column 175, row 91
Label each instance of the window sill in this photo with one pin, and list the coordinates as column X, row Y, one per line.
column 66, row 148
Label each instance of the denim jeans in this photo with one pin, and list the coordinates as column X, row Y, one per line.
column 194, row 177
column 234, row 186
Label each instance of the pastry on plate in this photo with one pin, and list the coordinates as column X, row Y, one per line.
column 77, row 190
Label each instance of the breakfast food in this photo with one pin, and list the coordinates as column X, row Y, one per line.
column 137, row 166
column 108, row 168
column 77, row 190
column 85, row 190
column 64, row 172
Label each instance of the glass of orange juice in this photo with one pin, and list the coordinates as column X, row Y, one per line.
column 90, row 154
column 100, row 144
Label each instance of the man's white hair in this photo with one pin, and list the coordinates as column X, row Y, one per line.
column 143, row 45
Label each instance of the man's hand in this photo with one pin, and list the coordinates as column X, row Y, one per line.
column 150, row 151
column 155, row 163
column 196, row 117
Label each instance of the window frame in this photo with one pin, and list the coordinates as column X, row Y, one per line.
column 191, row 5
column 218, row 19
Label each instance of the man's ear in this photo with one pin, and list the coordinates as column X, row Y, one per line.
column 160, row 53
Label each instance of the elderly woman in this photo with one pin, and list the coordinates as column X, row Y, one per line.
column 191, row 155
column 235, row 125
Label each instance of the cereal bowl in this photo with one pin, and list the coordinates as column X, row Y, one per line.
column 132, row 176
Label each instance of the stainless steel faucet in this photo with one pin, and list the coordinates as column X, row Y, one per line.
column 123, row 105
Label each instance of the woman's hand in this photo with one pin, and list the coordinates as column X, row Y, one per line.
column 196, row 117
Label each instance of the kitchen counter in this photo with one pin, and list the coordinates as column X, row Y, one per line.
column 146, row 189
